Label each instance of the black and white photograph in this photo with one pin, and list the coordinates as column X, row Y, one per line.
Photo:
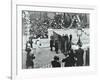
column 51, row 40
column 55, row 39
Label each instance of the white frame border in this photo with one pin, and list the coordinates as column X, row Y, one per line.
column 49, row 72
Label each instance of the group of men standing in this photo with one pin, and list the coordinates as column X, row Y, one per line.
column 72, row 57
column 64, row 43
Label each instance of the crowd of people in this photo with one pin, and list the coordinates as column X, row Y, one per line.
column 39, row 27
column 62, row 45
column 39, row 31
column 72, row 57
column 63, row 42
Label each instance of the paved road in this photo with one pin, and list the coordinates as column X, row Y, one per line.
column 43, row 58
